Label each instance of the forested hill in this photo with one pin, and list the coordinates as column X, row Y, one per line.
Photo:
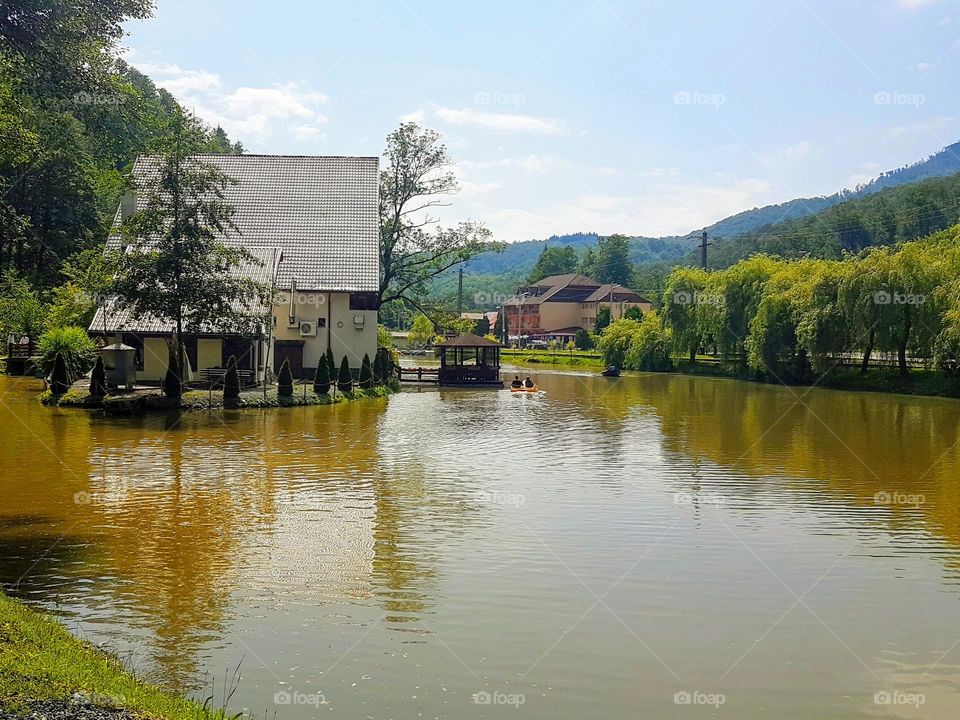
column 73, row 117
column 884, row 217
column 943, row 163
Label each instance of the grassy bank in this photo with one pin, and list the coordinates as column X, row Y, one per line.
column 41, row 661
column 139, row 402
column 575, row 358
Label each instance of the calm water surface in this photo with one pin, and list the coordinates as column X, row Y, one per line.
column 589, row 552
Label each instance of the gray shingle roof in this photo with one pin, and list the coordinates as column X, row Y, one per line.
column 321, row 211
column 120, row 319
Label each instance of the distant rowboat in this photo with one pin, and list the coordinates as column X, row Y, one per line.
column 611, row 371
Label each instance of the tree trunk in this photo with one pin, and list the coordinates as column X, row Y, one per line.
column 902, row 349
column 693, row 354
column 868, row 352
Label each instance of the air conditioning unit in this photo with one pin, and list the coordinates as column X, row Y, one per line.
column 308, row 329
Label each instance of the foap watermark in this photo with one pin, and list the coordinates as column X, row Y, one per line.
column 696, row 697
column 484, row 697
column 292, row 697
column 688, row 498
column 487, row 299
column 498, row 497
column 87, row 98
column 895, row 97
column 896, row 697
column 88, row 498
column 301, row 298
column 495, row 97
column 695, row 97
column 885, row 497
column 687, row 298
column 885, row 297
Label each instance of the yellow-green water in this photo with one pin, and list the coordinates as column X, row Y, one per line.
column 589, row 552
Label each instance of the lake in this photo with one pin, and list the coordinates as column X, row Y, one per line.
column 647, row 546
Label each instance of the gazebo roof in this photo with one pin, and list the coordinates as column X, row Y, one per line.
column 469, row 341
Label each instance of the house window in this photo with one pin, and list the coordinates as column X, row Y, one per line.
column 364, row 301
column 321, row 322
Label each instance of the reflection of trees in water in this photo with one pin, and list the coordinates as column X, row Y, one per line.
column 856, row 444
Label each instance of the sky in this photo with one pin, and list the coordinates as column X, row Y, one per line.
column 645, row 117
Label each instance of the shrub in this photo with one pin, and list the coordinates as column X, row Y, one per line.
column 643, row 345
column 345, row 379
column 172, row 383
column 231, row 380
column 285, row 380
column 59, row 378
column 582, row 340
column 331, row 364
column 321, row 381
column 73, row 344
column 98, row 380
column 366, row 373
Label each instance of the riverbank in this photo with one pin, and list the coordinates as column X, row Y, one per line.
column 921, row 382
column 47, row 672
column 153, row 400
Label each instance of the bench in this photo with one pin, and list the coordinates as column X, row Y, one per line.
column 215, row 376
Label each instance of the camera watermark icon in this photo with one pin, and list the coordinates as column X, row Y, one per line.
column 87, row 98
column 695, row 697
column 884, row 297
column 895, row 97
column 885, row 497
column 483, row 298
column 483, row 697
column 688, row 498
column 495, row 97
column 695, row 97
column 291, row 697
column 896, row 697
column 496, row 497
column 687, row 298
column 301, row 298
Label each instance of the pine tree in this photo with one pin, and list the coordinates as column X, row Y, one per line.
column 321, row 382
column 231, row 380
column 366, row 373
column 59, row 377
column 98, row 379
column 172, row 384
column 345, row 378
column 285, row 380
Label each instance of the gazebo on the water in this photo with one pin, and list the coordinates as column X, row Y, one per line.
column 469, row 360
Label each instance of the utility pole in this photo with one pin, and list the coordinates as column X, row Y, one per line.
column 460, row 295
column 703, row 250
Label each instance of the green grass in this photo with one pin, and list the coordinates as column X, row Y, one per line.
column 576, row 358
column 40, row 660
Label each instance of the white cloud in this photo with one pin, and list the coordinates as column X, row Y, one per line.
column 532, row 163
column 914, row 4
column 256, row 116
column 927, row 126
column 667, row 210
column 493, row 121
column 920, row 67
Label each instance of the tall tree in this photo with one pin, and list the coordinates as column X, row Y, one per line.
column 413, row 247
column 179, row 268
column 612, row 261
column 554, row 260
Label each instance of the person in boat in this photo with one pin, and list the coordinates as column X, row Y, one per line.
column 528, row 382
column 516, row 382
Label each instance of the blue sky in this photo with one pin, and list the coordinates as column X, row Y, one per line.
column 646, row 118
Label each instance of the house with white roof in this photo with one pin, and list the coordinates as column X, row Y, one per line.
column 313, row 225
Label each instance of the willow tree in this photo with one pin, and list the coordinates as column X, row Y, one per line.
column 684, row 293
column 414, row 248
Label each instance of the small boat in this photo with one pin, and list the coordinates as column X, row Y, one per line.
column 523, row 388
column 611, row 371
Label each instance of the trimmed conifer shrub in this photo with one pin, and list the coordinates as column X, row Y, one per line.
column 231, row 380
column 331, row 365
column 366, row 373
column 345, row 378
column 98, row 379
column 59, row 376
column 285, row 380
column 172, row 384
column 321, row 381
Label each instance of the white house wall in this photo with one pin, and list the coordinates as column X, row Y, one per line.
column 346, row 335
